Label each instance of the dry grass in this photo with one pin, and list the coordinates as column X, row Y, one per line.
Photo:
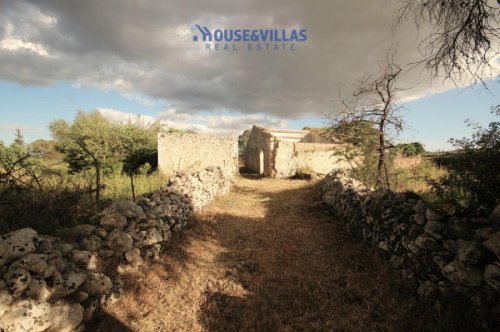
column 266, row 257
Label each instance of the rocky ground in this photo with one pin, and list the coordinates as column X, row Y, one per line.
column 267, row 257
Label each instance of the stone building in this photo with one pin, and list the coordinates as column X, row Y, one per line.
column 194, row 152
column 281, row 153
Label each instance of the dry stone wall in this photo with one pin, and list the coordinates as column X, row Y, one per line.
column 194, row 152
column 443, row 257
column 56, row 283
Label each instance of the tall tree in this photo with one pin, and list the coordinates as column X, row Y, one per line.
column 90, row 140
column 464, row 35
column 374, row 103
column 19, row 140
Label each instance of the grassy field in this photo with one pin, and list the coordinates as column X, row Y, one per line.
column 416, row 178
column 64, row 199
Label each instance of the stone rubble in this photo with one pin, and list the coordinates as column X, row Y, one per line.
column 440, row 256
column 56, row 283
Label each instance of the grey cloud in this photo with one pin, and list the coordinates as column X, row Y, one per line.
column 136, row 47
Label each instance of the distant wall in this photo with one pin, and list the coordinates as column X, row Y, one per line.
column 320, row 158
column 401, row 161
column 193, row 152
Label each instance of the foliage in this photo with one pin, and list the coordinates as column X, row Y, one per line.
column 140, row 146
column 49, row 183
column 472, row 182
column 359, row 140
column 89, row 140
column 409, row 149
column 374, row 104
column 46, row 150
column 18, row 169
column 19, row 140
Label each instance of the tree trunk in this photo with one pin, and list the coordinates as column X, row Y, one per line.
column 381, row 154
column 98, row 184
column 132, row 185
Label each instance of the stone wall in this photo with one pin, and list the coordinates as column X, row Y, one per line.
column 193, row 152
column 442, row 257
column 56, row 283
column 292, row 157
column 401, row 161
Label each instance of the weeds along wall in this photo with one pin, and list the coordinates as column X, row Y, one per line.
column 447, row 259
column 193, row 152
column 56, row 283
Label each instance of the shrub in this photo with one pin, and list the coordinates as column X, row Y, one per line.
column 410, row 149
column 472, row 181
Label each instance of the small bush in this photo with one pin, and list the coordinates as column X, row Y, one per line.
column 472, row 182
column 410, row 149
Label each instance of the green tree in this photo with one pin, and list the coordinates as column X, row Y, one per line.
column 410, row 149
column 140, row 147
column 89, row 140
column 18, row 168
column 19, row 140
column 472, row 181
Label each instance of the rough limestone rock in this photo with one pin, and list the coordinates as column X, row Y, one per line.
column 85, row 259
column 113, row 220
column 468, row 252
column 461, row 274
column 17, row 280
column 5, row 301
column 73, row 280
column 38, row 290
column 54, row 283
column 127, row 208
column 492, row 276
column 119, row 241
column 91, row 243
column 495, row 215
column 431, row 214
column 439, row 255
column 17, row 244
column 134, row 257
column 34, row 263
column 493, row 243
column 427, row 243
column 97, row 283
column 434, row 227
column 26, row 315
column 428, row 291
column 151, row 236
column 65, row 316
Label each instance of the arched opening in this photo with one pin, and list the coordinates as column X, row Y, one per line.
column 261, row 162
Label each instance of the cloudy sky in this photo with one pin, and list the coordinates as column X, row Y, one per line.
column 129, row 58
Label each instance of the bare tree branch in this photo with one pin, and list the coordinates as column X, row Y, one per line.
column 464, row 35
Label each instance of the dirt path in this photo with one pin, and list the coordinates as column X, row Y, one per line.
column 266, row 257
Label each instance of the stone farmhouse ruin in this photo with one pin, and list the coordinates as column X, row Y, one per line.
column 270, row 152
column 283, row 153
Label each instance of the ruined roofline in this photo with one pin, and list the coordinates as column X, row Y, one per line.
column 284, row 131
column 225, row 135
